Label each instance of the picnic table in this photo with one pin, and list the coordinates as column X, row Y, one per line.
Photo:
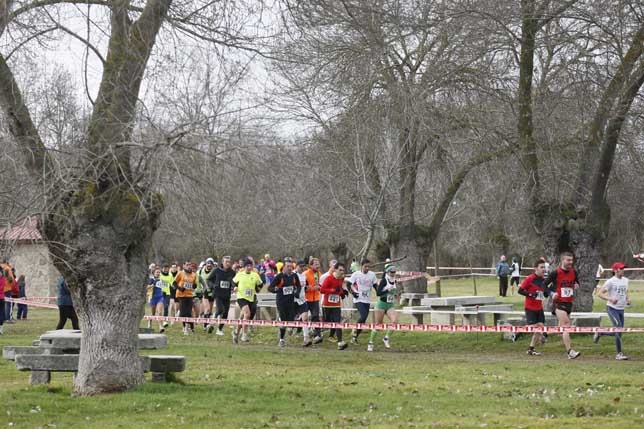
column 443, row 309
column 58, row 351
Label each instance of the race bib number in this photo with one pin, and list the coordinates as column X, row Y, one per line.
column 159, row 284
column 188, row 286
column 224, row 285
column 287, row 290
column 248, row 293
column 334, row 299
column 390, row 299
column 567, row 292
column 364, row 294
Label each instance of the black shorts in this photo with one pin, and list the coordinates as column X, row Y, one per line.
column 244, row 302
column 533, row 317
column 564, row 306
column 514, row 280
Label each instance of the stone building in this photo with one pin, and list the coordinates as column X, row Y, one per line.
column 23, row 245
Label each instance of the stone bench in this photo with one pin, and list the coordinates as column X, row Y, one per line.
column 412, row 299
column 68, row 339
column 42, row 365
column 10, row 352
column 475, row 315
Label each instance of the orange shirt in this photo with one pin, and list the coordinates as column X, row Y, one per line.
column 6, row 270
column 188, row 281
column 312, row 279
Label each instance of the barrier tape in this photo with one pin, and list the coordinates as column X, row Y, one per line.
column 30, row 303
column 369, row 326
column 394, row 326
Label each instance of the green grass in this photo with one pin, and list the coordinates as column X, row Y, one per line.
column 426, row 380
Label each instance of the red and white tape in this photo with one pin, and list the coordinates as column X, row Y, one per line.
column 369, row 326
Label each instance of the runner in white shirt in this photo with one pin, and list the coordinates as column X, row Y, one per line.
column 301, row 307
column 361, row 283
column 615, row 292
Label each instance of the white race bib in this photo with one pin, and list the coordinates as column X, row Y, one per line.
column 248, row 293
column 188, row 286
column 287, row 290
column 567, row 292
column 364, row 294
column 390, row 299
column 334, row 299
column 224, row 285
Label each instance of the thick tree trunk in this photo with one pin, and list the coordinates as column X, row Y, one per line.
column 404, row 242
column 104, row 262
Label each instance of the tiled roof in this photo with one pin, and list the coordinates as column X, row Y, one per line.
column 24, row 230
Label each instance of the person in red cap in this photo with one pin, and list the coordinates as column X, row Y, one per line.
column 615, row 293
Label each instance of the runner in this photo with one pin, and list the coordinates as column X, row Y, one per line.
column 563, row 283
column 175, row 306
column 332, row 288
column 155, row 290
column 615, row 293
column 208, row 290
column 286, row 285
column 361, row 282
column 168, row 300
column 387, row 292
column 329, row 272
column 221, row 279
column 246, row 283
column 313, row 275
column 301, row 307
column 269, row 268
column 185, row 283
column 535, row 293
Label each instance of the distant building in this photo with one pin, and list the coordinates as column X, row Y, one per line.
column 23, row 245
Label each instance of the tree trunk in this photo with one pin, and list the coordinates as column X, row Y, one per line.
column 103, row 260
column 404, row 243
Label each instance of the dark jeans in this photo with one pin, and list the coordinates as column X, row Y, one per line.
column 222, row 307
column 67, row 312
column 8, row 306
column 363, row 310
column 287, row 314
column 334, row 314
column 22, row 311
column 2, row 310
column 503, row 285
column 314, row 308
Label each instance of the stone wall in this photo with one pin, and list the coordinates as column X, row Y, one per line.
column 34, row 262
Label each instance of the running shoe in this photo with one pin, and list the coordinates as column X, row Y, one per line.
column 386, row 341
column 245, row 338
column 533, row 352
column 573, row 354
column 235, row 338
column 219, row 332
column 165, row 324
column 621, row 356
column 596, row 337
column 317, row 340
column 370, row 347
column 161, row 331
column 342, row 345
column 307, row 343
column 354, row 339
column 212, row 328
column 185, row 331
column 332, row 339
column 281, row 343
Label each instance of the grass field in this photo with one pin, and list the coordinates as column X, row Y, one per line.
column 425, row 380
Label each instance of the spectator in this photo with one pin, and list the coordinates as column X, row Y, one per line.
column 2, row 282
column 502, row 273
column 22, row 293
column 515, row 275
column 65, row 306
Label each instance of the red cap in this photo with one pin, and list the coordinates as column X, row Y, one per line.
column 618, row 266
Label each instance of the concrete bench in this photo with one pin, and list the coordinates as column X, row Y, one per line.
column 475, row 315
column 413, row 300
column 42, row 365
column 444, row 307
column 10, row 352
column 68, row 339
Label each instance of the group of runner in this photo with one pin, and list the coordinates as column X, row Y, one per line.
column 302, row 292
column 560, row 285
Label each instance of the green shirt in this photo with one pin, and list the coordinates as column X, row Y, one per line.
column 246, row 283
